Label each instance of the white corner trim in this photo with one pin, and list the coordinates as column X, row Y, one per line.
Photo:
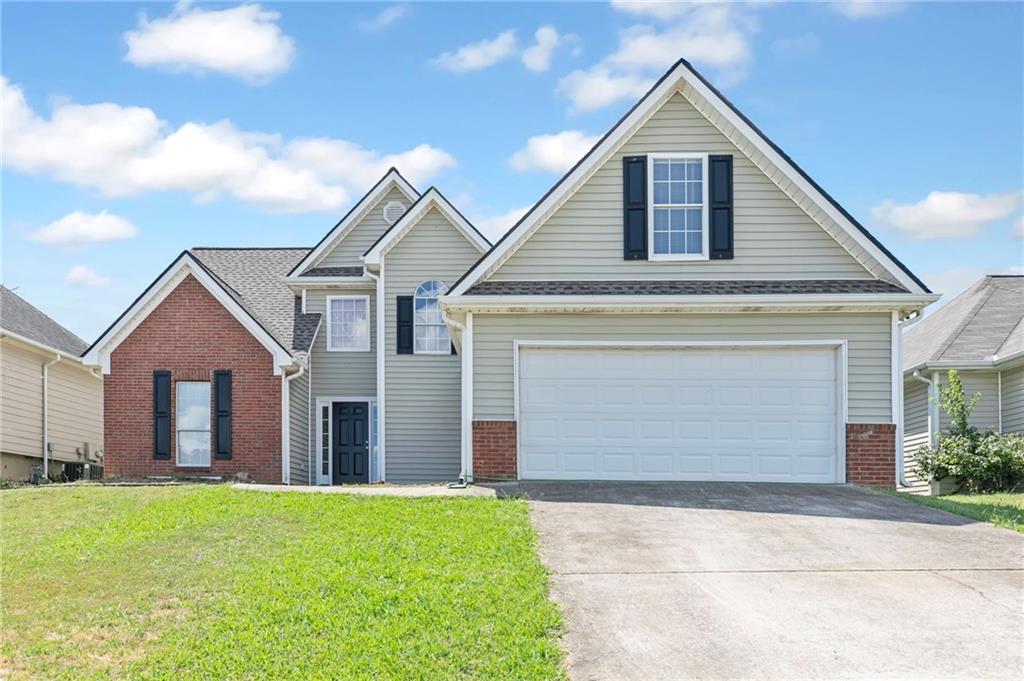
column 330, row 313
column 355, row 214
column 670, row 83
column 185, row 265
column 431, row 199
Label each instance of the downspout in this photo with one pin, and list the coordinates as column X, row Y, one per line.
column 46, row 429
column 286, row 448
column 378, row 286
column 897, row 397
column 933, row 422
column 999, row 400
column 463, row 467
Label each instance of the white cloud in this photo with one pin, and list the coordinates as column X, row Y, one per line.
column 243, row 41
column 867, row 9
column 80, row 228
column 554, row 153
column 953, row 281
column 597, row 87
column 80, row 275
column 1018, row 228
column 479, row 55
column 384, row 18
column 125, row 151
column 716, row 35
column 796, row 47
column 946, row 215
column 537, row 57
column 494, row 227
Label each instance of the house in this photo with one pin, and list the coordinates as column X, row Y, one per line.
column 684, row 304
column 980, row 334
column 51, row 405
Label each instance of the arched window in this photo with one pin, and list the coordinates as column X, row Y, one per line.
column 429, row 330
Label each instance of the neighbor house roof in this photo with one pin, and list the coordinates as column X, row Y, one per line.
column 256, row 276
column 356, row 271
column 20, row 318
column 681, row 287
column 982, row 323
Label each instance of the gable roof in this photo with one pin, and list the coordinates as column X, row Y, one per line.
column 984, row 323
column 432, row 198
column 392, row 178
column 240, row 307
column 20, row 318
column 680, row 75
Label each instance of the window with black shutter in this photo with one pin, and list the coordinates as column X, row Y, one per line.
column 222, row 414
column 161, row 414
column 634, row 208
column 404, row 325
column 720, row 218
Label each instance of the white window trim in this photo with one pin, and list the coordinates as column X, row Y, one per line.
column 209, row 431
column 705, row 241
column 437, row 298
column 330, row 314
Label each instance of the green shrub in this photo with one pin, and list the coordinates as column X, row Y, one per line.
column 979, row 462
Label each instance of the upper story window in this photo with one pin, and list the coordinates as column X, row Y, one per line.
column 677, row 214
column 192, row 422
column 348, row 323
column 430, row 333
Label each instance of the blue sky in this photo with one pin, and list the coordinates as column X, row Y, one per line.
column 133, row 131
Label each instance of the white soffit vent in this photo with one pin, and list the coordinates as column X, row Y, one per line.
column 392, row 211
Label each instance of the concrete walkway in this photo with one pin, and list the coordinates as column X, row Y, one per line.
column 374, row 490
column 740, row 581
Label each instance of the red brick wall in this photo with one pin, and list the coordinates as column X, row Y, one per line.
column 494, row 450
column 191, row 335
column 871, row 454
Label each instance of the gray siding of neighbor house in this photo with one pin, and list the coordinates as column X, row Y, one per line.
column 1013, row 400
column 363, row 234
column 298, row 429
column 986, row 411
column 423, row 392
column 868, row 334
column 774, row 237
column 915, row 432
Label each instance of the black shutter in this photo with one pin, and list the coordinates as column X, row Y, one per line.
column 720, row 199
column 634, row 208
column 161, row 414
column 222, row 414
column 403, row 320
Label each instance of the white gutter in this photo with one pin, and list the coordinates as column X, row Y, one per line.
column 46, row 419
column 933, row 405
column 286, row 444
column 465, row 432
column 378, row 280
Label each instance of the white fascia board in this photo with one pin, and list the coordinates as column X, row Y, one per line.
column 968, row 365
column 99, row 352
column 391, row 179
column 431, row 199
column 882, row 302
column 4, row 333
column 670, row 84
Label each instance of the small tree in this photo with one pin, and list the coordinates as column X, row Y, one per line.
column 955, row 403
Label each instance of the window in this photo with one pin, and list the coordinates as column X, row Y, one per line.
column 192, row 422
column 348, row 323
column 677, row 216
column 429, row 330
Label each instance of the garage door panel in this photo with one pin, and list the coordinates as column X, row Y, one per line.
column 679, row 414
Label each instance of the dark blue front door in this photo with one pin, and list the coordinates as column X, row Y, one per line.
column 351, row 442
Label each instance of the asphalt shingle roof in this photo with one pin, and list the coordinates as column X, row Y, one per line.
column 986, row 320
column 256, row 277
column 681, row 288
column 20, row 317
column 334, row 272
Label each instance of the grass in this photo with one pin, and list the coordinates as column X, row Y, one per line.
column 214, row 582
column 1004, row 510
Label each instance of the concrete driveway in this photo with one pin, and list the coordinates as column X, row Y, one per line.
column 742, row 581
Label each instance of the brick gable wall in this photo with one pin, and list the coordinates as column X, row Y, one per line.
column 191, row 334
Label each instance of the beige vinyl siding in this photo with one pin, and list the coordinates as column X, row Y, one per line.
column 363, row 234
column 1013, row 400
column 75, row 405
column 774, row 237
column 915, row 432
column 423, row 393
column 986, row 411
column 341, row 374
column 298, row 430
column 869, row 382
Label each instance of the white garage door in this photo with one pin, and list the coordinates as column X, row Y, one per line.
column 743, row 414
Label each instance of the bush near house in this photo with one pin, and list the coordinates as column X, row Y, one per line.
column 979, row 462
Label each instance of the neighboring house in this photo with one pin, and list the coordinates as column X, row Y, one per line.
column 51, row 405
column 980, row 333
column 685, row 304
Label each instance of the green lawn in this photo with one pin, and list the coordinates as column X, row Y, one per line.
column 1005, row 510
column 213, row 582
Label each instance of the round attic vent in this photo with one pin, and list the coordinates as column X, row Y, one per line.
column 392, row 211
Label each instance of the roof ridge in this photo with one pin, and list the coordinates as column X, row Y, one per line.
column 968, row 318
